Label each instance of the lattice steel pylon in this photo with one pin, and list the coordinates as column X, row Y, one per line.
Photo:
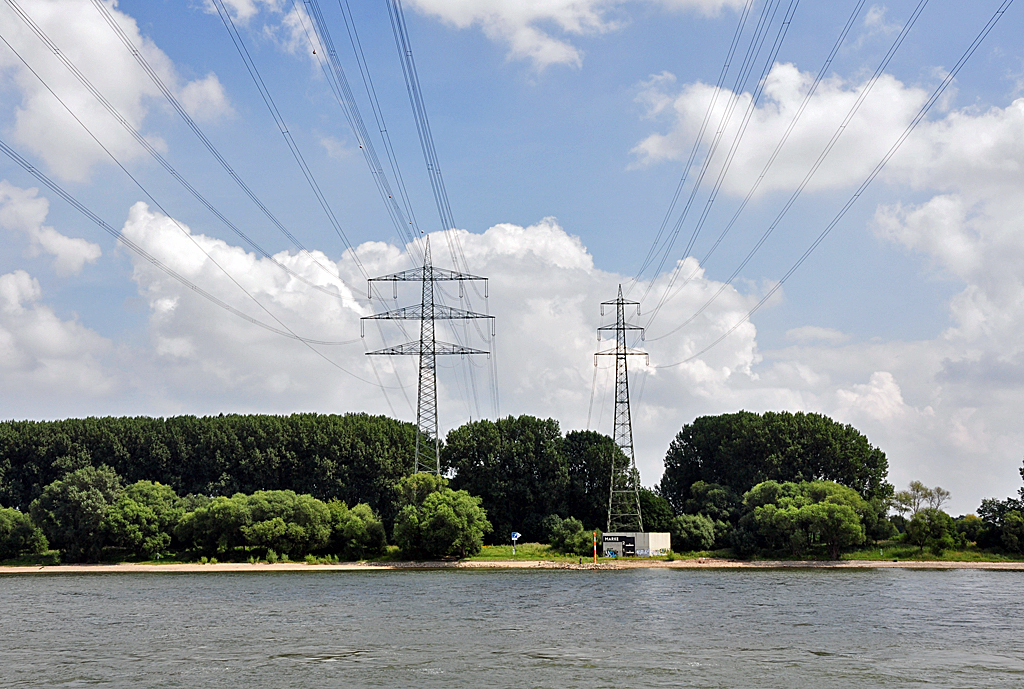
column 427, row 347
column 624, row 492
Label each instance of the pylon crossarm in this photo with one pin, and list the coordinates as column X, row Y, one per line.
column 416, row 311
column 440, row 348
column 432, row 273
column 627, row 351
column 615, row 326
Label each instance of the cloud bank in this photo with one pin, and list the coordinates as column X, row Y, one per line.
column 45, row 128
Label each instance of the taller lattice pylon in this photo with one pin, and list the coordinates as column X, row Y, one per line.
column 624, row 492
column 428, row 348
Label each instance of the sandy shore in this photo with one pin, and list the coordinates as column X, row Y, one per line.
column 703, row 563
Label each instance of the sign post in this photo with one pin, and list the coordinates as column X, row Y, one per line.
column 515, row 537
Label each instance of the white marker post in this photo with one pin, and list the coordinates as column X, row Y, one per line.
column 515, row 537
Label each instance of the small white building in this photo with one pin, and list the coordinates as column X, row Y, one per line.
column 636, row 543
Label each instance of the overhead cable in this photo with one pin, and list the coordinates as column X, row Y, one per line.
column 932, row 100
column 861, row 97
column 671, row 289
column 176, row 105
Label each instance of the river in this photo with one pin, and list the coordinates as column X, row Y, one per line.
column 515, row 628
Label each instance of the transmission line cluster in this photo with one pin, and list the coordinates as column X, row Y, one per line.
column 396, row 198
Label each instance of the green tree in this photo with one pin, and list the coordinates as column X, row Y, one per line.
column 569, row 536
column 278, row 520
column 692, row 532
column 795, row 516
column 354, row 458
column 286, row 522
column 970, row 526
column 741, row 450
column 589, row 456
column 437, row 521
column 71, row 511
column 1013, row 532
column 356, row 533
column 837, row 526
column 714, row 501
column 143, row 518
column 18, row 535
column 515, row 466
column 931, row 528
column 656, row 511
column 215, row 527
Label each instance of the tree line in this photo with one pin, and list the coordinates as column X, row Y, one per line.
column 90, row 515
column 780, row 483
column 353, row 458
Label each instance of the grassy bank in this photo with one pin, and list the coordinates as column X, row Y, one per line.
column 526, row 552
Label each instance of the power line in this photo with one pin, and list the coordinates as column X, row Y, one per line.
column 653, row 251
column 275, row 113
column 733, row 148
column 176, row 105
column 936, row 94
column 861, row 97
column 284, row 330
column 415, row 93
column 152, row 198
column 119, row 236
column 342, row 91
column 142, row 141
column 756, row 39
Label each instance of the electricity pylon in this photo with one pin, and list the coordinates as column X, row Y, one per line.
column 427, row 348
column 624, row 492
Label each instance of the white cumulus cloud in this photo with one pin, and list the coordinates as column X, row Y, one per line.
column 540, row 30
column 44, row 127
column 43, row 357
column 23, row 210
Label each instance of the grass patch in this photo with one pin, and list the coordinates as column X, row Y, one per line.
column 46, row 559
column 524, row 551
column 890, row 550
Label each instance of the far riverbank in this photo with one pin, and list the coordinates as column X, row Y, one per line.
column 700, row 563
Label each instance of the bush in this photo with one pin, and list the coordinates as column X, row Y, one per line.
column 71, row 511
column 143, row 518
column 18, row 535
column 793, row 517
column 692, row 532
column 1013, row 532
column 281, row 520
column 970, row 527
column 933, row 529
column 569, row 536
column 357, row 533
column 437, row 521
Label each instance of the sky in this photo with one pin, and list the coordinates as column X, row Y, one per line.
column 231, row 275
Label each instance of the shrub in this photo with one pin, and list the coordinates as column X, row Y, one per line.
column 1013, row 532
column 569, row 536
column 70, row 511
column 356, row 533
column 692, row 532
column 278, row 519
column 18, row 535
column 437, row 521
column 933, row 529
column 143, row 518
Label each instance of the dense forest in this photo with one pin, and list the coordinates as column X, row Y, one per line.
column 341, row 486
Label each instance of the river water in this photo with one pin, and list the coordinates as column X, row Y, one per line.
column 515, row 628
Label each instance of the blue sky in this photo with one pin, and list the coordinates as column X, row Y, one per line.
column 562, row 129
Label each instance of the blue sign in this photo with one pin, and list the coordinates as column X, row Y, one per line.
column 515, row 535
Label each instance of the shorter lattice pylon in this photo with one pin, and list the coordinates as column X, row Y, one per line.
column 624, row 490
